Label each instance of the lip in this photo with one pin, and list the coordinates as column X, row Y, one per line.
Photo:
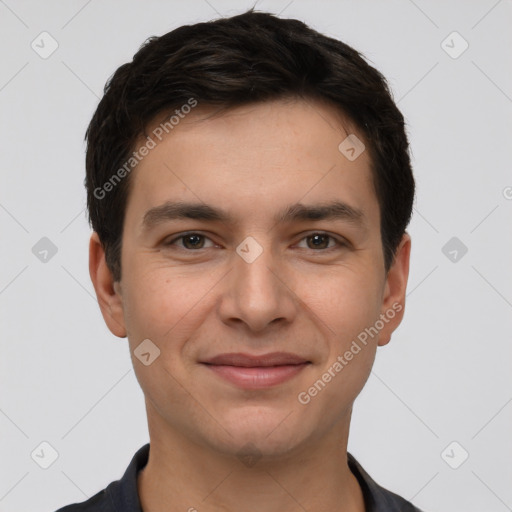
column 256, row 371
column 250, row 361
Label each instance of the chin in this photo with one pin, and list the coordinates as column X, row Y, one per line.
column 264, row 431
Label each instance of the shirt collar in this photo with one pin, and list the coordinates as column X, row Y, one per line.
column 124, row 495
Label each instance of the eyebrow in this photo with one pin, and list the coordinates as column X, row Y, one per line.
column 333, row 210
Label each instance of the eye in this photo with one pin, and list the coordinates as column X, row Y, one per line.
column 195, row 241
column 321, row 241
column 190, row 241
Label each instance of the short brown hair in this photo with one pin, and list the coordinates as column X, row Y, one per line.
column 230, row 62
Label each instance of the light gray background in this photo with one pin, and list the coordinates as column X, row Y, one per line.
column 446, row 374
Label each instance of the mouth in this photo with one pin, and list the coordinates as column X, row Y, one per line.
column 256, row 371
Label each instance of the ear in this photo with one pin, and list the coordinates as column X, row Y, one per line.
column 393, row 300
column 107, row 290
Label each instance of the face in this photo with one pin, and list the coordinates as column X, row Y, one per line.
column 265, row 302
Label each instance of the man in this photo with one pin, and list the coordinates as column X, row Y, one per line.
column 249, row 187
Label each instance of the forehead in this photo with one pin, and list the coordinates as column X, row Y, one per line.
column 249, row 158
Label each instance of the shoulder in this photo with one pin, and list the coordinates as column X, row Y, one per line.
column 100, row 502
column 376, row 498
column 118, row 495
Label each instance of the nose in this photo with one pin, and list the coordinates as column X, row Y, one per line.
column 258, row 293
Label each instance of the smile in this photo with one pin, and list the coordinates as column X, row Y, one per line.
column 256, row 372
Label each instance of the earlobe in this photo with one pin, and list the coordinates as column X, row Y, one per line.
column 393, row 303
column 107, row 290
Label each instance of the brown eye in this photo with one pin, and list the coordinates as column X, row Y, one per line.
column 193, row 241
column 189, row 241
column 318, row 241
column 321, row 241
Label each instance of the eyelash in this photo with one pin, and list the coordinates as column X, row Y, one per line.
column 340, row 243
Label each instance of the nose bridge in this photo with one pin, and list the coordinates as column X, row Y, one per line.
column 255, row 278
column 256, row 294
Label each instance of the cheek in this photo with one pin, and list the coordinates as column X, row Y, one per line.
column 348, row 303
column 346, row 299
column 163, row 303
column 168, row 311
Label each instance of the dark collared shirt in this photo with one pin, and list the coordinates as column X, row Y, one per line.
column 122, row 495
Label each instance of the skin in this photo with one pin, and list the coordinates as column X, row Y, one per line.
column 196, row 303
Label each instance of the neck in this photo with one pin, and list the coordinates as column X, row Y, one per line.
column 182, row 475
